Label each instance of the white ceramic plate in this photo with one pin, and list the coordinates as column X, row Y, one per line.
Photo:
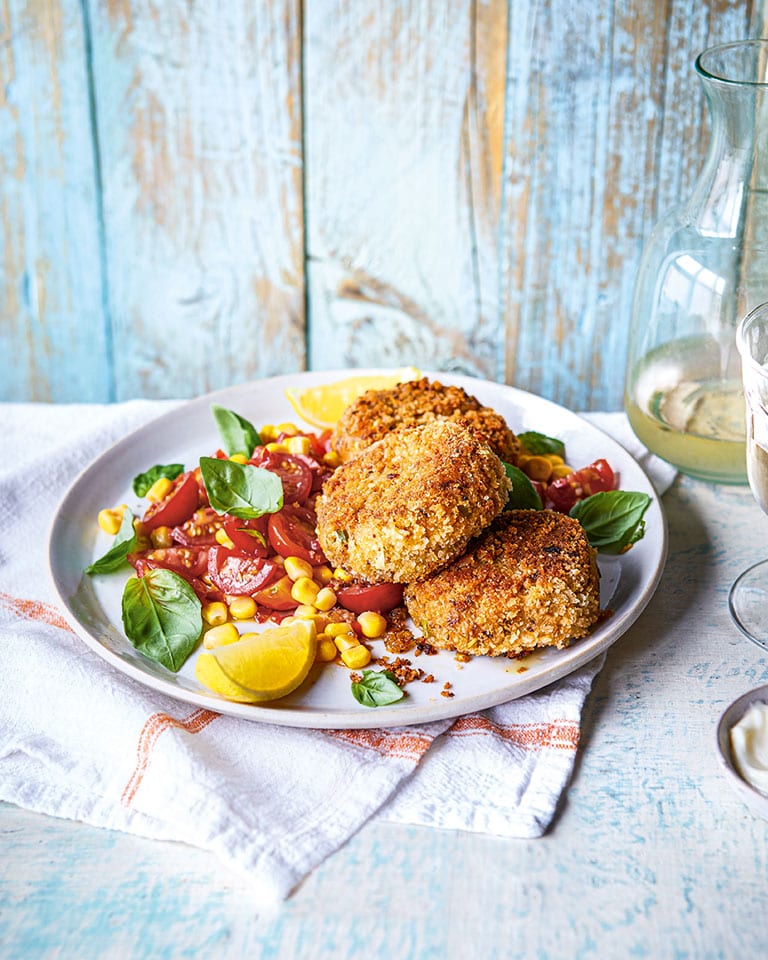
column 92, row 604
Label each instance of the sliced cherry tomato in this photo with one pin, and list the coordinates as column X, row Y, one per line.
column 292, row 533
column 277, row 596
column 181, row 502
column 563, row 493
column 381, row 597
column 189, row 562
column 238, row 573
column 294, row 473
column 201, row 487
column 200, row 530
column 319, row 471
column 250, row 536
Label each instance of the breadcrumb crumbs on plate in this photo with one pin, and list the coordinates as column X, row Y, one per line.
column 402, row 669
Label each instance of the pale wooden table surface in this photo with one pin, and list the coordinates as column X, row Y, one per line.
column 651, row 855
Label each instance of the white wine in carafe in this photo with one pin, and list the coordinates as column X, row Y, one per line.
column 699, row 425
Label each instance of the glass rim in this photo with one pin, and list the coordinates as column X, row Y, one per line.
column 759, row 43
column 741, row 339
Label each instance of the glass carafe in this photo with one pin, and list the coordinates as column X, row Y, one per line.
column 705, row 266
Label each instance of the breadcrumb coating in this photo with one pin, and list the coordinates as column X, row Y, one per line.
column 530, row 580
column 378, row 412
column 410, row 503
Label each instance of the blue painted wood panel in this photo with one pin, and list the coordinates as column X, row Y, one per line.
column 193, row 196
column 54, row 332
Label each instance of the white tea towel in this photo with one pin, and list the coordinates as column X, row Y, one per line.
column 79, row 739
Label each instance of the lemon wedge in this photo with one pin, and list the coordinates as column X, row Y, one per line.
column 323, row 404
column 260, row 666
column 212, row 677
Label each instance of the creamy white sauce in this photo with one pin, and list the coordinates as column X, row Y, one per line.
column 749, row 746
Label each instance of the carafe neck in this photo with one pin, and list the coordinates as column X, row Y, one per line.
column 728, row 191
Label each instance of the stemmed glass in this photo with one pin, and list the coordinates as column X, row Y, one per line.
column 748, row 600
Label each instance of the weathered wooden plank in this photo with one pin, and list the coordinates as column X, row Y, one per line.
column 480, row 178
column 199, row 121
column 404, row 134
column 53, row 337
column 592, row 137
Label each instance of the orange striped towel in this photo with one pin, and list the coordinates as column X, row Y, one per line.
column 80, row 740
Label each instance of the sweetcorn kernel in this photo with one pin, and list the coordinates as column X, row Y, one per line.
column 215, row 613
column 322, row 574
column 111, row 518
column 276, row 447
column 538, row 468
column 297, row 567
column 341, row 574
column 220, row 635
column 325, row 599
column 356, row 657
column 239, row 458
column 326, row 649
column 161, row 537
column 345, row 641
column 305, row 611
column 242, row 608
column 159, row 489
column 372, row 624
column 331, row 459
column 298, row 444
column 222, row 537
column 287, row 429
column 339, row 629
column 563, row 470
column 268, row 432
column 304, row 590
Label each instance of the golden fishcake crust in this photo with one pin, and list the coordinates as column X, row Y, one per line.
column 410, row 503
column 378, row 412
column 530, row 580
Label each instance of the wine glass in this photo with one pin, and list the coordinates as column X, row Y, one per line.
column 748, row 599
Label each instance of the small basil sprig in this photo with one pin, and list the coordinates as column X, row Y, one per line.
column 143, row 482
column 125, row 542
column 240, row 489
column 612, row 519
column 523, row 495
column 237, row 434
column 162, row 617
column 378, row 688
column 540, row 444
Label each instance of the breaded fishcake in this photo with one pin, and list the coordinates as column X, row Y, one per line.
column 377, row 412
column 410, row 503
column 530, row 580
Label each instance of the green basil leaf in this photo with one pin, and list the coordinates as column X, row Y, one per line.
column 613, row 519
column 240, row 489
column 523, row 495
column 143, row 482
column 378, row 688
column 162, row 617
column 125, row 542
column 540, row 444
column 237, row 434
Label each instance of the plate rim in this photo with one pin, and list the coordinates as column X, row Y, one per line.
column 398, row 715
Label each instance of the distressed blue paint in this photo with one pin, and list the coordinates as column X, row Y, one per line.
column 51, row 333
column 111, row 289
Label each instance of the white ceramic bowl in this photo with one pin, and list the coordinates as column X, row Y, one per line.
column 756, row 801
